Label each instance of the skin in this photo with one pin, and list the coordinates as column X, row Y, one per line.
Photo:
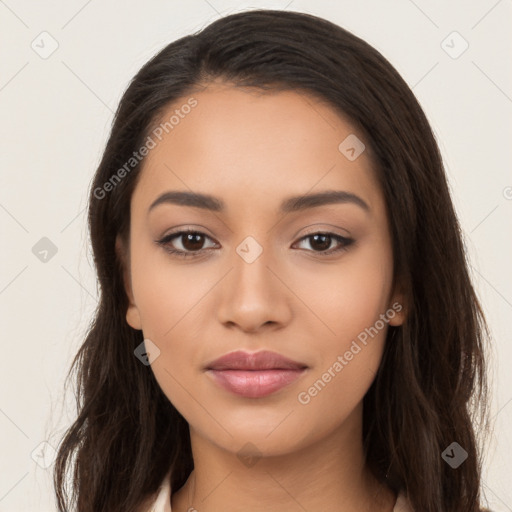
column 253, row 150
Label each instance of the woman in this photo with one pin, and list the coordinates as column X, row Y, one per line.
column 286, row 319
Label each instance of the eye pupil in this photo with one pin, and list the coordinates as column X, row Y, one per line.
column 324, row 245
column 193, row 241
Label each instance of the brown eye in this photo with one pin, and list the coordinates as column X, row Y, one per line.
column 189, row 243
column 192, row 241
column 321, row 242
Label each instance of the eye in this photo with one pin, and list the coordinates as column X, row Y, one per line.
column 191, row 243
column 321, row 241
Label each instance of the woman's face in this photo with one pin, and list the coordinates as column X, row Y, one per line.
column 256, row 276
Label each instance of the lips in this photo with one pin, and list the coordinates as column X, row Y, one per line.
column 254, row 375
column 264, row 360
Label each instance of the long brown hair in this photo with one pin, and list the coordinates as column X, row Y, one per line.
column 431, row 388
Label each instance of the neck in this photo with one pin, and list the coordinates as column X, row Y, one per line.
column 328, row 475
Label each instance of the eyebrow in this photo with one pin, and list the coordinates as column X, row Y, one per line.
column 289, row 205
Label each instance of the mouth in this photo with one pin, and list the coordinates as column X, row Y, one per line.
column 254, row 375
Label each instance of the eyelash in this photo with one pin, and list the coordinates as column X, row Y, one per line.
column 164, row 242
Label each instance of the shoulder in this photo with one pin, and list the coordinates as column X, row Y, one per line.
column 402, row 503
column 161, row 500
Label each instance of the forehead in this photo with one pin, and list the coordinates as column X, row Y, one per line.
column 265, row 145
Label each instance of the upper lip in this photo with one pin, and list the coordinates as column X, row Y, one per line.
column 263, row 360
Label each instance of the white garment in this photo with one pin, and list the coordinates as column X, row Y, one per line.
column 162, row 501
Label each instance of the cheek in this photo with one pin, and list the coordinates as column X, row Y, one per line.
column 167, row 293
column 349, row 357
column 332, row 395
column 169, row 302
column 347, row 298
column 168, row 298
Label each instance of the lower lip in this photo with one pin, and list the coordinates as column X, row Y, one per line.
column 255, row 383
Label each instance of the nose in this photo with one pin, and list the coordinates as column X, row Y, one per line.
column 254, row 296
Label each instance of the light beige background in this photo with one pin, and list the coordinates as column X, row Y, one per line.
column 55, row 117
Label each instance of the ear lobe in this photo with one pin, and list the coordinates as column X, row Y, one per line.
column 399, row 314
column 132, row 313
column 397, row 307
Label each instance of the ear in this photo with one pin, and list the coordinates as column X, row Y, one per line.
column 132, row 313
column 397, row 307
